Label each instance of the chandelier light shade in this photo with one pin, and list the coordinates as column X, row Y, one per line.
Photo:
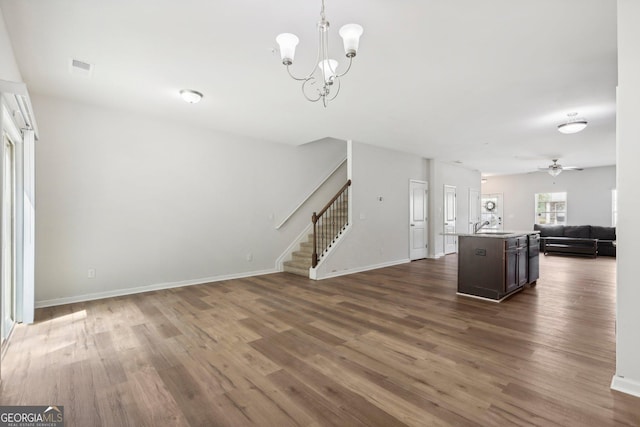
column 573, row 124
column 350, row 34
column 328, row 68
column 287, row 43
column 323, row 82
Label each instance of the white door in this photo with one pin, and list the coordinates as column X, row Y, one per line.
column 492, row 211
column 450, row 241
column 417, row 219
column 8, row 240
column 474, row 208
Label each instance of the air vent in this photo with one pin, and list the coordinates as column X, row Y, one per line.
column 81, row 68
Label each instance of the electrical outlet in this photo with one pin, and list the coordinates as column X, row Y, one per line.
column 249, row 256
column 91, row 273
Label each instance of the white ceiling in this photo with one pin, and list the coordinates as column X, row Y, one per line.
column 484, row 83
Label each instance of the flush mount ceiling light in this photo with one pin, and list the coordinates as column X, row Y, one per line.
column 191, row 96
column 325, row 69
column 573, row 124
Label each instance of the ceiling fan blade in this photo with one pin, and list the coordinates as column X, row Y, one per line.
column 572, row 168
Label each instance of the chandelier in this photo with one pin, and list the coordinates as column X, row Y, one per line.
column 324, row 77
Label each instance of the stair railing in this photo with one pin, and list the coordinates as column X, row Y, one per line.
column 330, row 223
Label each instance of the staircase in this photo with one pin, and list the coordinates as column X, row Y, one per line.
column 301, row 259
column 327, row 226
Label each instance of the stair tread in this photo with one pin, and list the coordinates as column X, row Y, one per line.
column 298, row 264
column 296, row 270
column 301, row 254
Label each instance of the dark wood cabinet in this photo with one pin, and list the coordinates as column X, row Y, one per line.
column 492, row 267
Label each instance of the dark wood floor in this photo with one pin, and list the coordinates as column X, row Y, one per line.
column 388, row 347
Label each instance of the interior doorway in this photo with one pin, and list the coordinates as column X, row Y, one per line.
column 450, row 206
column 418, row 219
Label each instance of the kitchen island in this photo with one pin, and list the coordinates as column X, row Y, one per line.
column 495, row 265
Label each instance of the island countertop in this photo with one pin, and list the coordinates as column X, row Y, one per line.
column 493, row 234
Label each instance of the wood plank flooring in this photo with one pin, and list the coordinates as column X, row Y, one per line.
column 389, row 347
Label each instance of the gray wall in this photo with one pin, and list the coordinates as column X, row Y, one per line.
column 627, row 376
column 8, row 66
column 146, row 202
column 380, row 230
column 588, row 195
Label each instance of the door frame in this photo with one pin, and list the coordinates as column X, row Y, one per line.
column 8, row 221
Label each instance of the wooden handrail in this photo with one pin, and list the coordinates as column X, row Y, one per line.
column 338, row 194
column 334, row 229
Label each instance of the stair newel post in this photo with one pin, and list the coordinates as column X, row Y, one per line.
column 314, row 255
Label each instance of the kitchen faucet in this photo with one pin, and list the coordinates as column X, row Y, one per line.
column 478, row 225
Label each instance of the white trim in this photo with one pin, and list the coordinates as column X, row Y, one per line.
column 488, row 299
column 625, row 385
column 366, row 268
column 436, row 256
column 23, row 101
column 287, row 252
column 9, row 125
column 28, row 226
column 311, row 193
column 148, row 288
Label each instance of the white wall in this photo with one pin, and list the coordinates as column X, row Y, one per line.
column 627, row 377
column 145, row 202
column 8, row 66
column 463, row 179
column 588, row 195
column 379, row 234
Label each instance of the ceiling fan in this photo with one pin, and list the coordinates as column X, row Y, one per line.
column 555, row 168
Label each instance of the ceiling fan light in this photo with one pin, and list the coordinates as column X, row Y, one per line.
column 554, row 171
column 573, row 126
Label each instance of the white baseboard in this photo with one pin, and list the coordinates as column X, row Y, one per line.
column 361, row 269
column 625, row 385
column 147, row 288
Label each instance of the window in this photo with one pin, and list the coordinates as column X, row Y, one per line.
column 614, row 207
column 551, row 208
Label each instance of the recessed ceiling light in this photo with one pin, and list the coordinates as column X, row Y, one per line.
column 191, row 96
column 573, row 124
